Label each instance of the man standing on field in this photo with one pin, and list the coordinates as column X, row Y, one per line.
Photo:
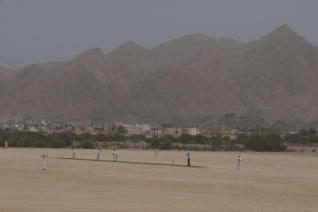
column 188, row 158
column 98, row 153
column 44, row 158
column 74, row 152
column 115, row 155
column 239, row 162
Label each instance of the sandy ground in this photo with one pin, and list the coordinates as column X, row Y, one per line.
column 266, row 182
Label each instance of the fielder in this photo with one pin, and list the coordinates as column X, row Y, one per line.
column 98, row 153
column 188, row 158
column 44, row 158
column 115, row 155
column 239, row 162
column 74, row 152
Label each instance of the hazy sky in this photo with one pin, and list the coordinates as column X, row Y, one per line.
column 33, row 31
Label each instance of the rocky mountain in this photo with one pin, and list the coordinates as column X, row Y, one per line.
column 272, row 77
column 192, row 79
column 64, row 91
column 184, row 49
column 131, row 64
column 277, row 74
column 4, row 74
column 7, row 93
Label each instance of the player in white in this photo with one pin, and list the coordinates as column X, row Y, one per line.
column 115, row 155
column 74, row 152
column 239, row 162
column 98, row 153
column 44, row 158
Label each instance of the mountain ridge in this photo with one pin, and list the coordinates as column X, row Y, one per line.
column 185, row 78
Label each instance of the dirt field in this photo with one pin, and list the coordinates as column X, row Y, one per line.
column 270, row 182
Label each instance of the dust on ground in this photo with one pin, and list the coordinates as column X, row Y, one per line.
column 266, row 182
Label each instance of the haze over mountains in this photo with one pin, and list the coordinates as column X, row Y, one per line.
column 195, row 77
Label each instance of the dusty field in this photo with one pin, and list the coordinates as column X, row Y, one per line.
column 266, row 182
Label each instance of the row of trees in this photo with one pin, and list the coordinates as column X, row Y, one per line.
column 303, row 137
column 58, row 140
column 271, row 142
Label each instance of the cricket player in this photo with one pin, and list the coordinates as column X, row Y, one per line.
column 98, row 153
column 74, row 152
column 44, row 158
column 239, row 162
column 188, row 158
column 115, row 155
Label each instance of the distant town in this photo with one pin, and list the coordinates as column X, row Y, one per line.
column 46, row 133
column 147, row 130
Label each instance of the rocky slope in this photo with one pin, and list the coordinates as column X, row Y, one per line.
column 195, row 77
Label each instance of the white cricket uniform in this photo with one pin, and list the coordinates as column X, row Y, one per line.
column 44, row 158
column 98, row 152
column 115, row 154
column 239, row 163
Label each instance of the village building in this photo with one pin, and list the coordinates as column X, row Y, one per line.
column 220, row 131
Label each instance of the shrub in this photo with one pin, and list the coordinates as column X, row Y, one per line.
column 270, row 143
column 87, row 144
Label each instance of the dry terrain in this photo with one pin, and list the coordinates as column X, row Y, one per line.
column 270, row 182
column 189, row 80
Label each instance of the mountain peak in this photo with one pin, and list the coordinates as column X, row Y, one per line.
column 284, row 33
column 131, row 44
column 284, row 30
column 128, row 47
column 94, row 54
column 129, row 52
column 281, row 37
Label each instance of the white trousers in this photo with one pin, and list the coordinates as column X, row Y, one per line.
column 44, row 164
